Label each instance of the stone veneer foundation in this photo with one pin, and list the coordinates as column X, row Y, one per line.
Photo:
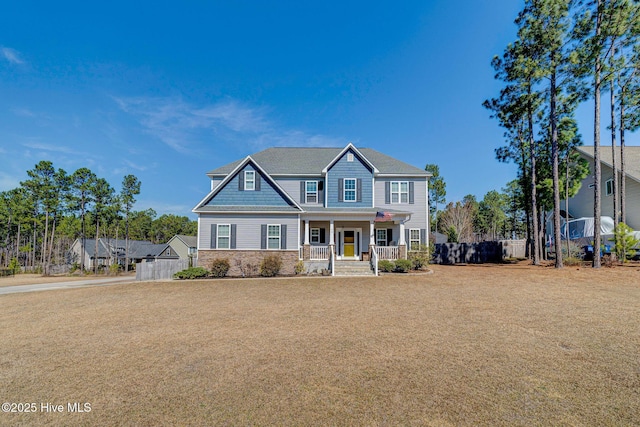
column 238, row 258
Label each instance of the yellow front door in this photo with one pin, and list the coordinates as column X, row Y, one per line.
column 349, row 243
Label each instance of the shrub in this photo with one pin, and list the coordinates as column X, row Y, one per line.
column 14, row 266
column 270, row 266
column 220, row 267
column 299, row 267
column 114, row 269
column 386, row 266
column 192, row 273
column 625, row 241
column 247, row 269
column 403, row 265
column 420, row 258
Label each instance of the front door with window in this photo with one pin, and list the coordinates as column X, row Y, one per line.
column 349, row 241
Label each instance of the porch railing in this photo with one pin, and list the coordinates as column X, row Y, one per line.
column 319, row 252
column 387, row 252
column 373, row 260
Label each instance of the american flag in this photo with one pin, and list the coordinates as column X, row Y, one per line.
column 383, row 217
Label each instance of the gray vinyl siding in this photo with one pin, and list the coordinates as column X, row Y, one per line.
column 248, row 229
column 292, row 187
column 419, row 217
column 581, row 205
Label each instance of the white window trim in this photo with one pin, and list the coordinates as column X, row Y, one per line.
column 411, row 240
column 247, row 180
column 608, row 185
column 219, row 235
column 399, row 192
column 385, row 236
column 317, row 236
column 279, row 237
column 307, row 192
column 355, row 190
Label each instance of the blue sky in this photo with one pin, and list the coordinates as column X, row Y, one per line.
column 169, row 90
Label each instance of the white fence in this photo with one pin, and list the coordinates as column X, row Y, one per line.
column 387, row 252
column 319, row 252
column 162, row 269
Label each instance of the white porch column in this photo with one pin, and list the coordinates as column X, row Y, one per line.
column 306, row 231
column 331, row 232
column 372, row 231
column 401, row 239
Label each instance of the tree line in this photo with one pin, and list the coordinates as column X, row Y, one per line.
column 567, row 52
column 40, row 219
column 499, row 215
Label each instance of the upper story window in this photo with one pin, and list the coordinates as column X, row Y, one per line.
column 350, row 189
column 608, row 187
column 399, row 192
column 311, row 192
column 249, row 180
column 349, row 157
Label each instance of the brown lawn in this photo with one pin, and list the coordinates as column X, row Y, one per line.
column 467, row 345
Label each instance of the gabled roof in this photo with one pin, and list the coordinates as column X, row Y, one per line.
column 305, row 161
column 631, row 154
column 189, row 241
column 112, row 247
column 201, row 207
column 357, row 152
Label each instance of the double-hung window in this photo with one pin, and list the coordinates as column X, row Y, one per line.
column 249, row 180
column 311, row 192
column 399, row 192
column 224, row 236
column 350, row 189
column 273, row 236
column 381, row 237
column 414, row 239
column 315, row 235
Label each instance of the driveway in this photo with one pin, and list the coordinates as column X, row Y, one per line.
column 64, row 285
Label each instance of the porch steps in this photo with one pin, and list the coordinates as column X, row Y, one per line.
column 353, row 268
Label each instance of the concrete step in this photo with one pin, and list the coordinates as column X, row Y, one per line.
column 353, row 268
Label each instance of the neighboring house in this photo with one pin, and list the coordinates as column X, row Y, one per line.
column 581, row 205
column 310, row 203
column 111, row 251
column 186, row 247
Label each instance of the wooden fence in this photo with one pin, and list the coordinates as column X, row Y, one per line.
column 162, row 269
column 478, row 253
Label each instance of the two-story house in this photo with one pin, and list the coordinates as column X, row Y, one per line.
column 312, row 204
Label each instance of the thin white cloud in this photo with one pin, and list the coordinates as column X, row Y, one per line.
column 11, row 55
column 23, row 112
column 54, row 148
column 8, row 182
column 183, row 127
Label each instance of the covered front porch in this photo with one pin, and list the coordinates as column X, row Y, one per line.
column 350, row 236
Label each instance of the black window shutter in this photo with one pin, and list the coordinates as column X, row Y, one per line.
column 303, row 192
column 320, row 193
column 283, row 236
column 411, row 196
column 406, row 238
column 257, row 184
column 389, row 236
column 241, row 181
column 340, row 190
column 423, row 236
column 263, row 236
column 323, row 235
column 214, row 233
column 359, row 190
column 387, row 192
column 232, row 243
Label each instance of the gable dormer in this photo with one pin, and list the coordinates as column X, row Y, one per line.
column 349, row 178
